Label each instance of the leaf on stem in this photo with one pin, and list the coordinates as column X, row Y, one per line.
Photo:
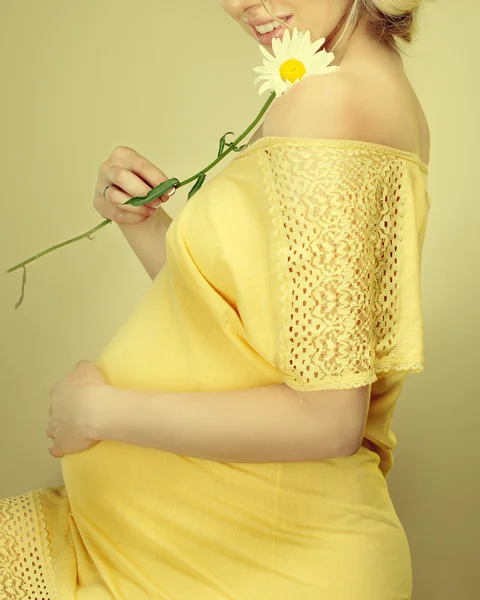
column 224, row 143
column 238, row 148
column 153, row 194
column 197, row 185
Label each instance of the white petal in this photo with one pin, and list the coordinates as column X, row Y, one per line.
column 320, row 60
column 307, row 36
column 282, row 57
column 288, row 86
column 266, row 54
column 266, row 86
column 330, row 56
column 262, row 78
column 276, row 47
column 295, row 46
column 280, row 88
column 315, row 46
column 317, row 61
column 263, row 69
column 282, row 39
column 275, row 81
column 331, row 69
column 303, row 49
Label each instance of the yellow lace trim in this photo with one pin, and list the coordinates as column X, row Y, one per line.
column 337, row 220
column 333, row 143
column 26, row 566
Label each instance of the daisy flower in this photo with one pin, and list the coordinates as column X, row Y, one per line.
column 293, row 60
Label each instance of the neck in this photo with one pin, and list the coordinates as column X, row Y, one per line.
column 358, row 46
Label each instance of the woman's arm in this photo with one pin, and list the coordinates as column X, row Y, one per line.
column 256, row 425
column 147, row 240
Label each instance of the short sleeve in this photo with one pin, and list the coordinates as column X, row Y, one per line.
column 345, row 263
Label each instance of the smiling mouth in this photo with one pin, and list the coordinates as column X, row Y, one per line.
column 284, row 19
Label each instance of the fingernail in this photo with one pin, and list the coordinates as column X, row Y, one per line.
column 172, row 191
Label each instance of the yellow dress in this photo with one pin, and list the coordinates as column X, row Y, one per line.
column 298, row 263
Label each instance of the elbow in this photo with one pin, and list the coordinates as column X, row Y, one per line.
column 350, row 437
column 345, row 446
column 340, row 445
column 337, row 421
column 350, row 446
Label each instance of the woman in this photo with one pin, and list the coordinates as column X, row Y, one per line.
column 233, row 439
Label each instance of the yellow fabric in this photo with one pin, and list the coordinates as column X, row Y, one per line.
column 299, row 263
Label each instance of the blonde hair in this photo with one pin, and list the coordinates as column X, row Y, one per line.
column 388, row 20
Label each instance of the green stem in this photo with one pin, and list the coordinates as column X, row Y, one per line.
column 179, row 185
column 79, row 237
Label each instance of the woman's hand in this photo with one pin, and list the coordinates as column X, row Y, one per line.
column 130, row 175
column 71, row 402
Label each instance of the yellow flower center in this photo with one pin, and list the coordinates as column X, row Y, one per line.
column 292, row 69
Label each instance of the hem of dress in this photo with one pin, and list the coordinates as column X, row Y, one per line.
column 45, row 543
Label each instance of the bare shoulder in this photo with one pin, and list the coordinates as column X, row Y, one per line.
column 319, row 106
column 346, row 105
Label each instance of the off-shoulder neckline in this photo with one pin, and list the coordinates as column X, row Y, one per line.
column 333, row 143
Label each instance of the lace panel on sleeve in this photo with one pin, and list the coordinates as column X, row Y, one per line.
column 338, row 217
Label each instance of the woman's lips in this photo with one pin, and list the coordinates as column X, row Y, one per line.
column 266, row 38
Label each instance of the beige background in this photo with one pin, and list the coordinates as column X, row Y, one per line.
column 80, row 78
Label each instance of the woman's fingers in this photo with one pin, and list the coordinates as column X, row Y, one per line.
column 149, row 173
column 109, row 209
column 124, row 185
column 128, row 175
column 136, row 175
column 117, row 197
